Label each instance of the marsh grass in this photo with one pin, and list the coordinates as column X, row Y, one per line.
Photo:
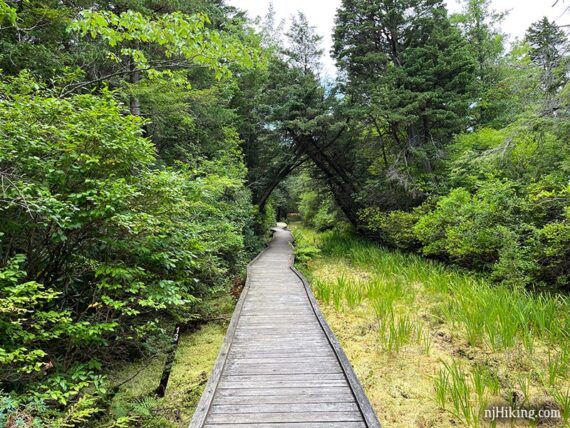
column 465, row 393
column 489, row 314
column 562, row 397
column 558, row 366
column 453, row 385
column 494, row 339
column 395, row 332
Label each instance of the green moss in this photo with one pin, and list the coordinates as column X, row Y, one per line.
column 136, row 403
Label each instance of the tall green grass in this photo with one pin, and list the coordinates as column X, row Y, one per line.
column 487, row 316
column 465, row 395
column 562, row 397
column 395, row 332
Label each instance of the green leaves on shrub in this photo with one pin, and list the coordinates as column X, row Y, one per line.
column 97, row 240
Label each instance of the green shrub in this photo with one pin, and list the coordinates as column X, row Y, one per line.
column 518, row 261
column 97, row 241
column 318, row 210
column 27, row 322
column 307, row 243
column 472, row 229
column 394, row 228
column 502, row 228
column 459, row 228
column 555, row 261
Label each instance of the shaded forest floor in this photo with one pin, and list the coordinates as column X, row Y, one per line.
column 136, row 405
column 434, row 346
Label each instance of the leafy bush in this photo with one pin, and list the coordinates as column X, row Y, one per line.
column 306, row 244
column 96, row 241
column 461, row 227
column 393, row 228
column 555, row 255
column 26, row 323
column 518, row 233
column 318, row 210
column 491, row 230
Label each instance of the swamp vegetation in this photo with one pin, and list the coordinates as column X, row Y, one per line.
column 146, row 147
column 435, row 346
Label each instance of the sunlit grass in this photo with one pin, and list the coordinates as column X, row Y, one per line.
column 480, row 341
column 497, row 316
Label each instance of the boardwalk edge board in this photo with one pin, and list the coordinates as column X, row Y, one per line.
column 208, row 395
column 366, row 409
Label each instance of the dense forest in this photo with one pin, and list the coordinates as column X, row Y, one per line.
column 147, row 146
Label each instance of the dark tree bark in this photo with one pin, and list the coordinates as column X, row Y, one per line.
column 161, row 389
column 343, row 187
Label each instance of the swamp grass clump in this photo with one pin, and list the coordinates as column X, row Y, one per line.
column 476, row 342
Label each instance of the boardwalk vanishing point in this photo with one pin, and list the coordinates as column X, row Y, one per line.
column 280, row 364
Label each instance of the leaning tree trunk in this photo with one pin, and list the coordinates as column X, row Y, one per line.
column 342, row 186
column 282, row 174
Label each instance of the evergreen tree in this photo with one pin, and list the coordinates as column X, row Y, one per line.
column 410, row 74
column 547, row 44
column 479, row 23
column 271, row 31
column 303, row 50
column 299, row 123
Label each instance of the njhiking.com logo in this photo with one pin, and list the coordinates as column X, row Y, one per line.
column 509, row 413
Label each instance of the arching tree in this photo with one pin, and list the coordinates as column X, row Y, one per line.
column 297, row 122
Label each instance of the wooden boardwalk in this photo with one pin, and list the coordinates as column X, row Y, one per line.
column 280, row 365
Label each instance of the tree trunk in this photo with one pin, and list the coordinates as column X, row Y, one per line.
column 161, row 389
column 342, row 186
column 134, row 102
column 280, row 176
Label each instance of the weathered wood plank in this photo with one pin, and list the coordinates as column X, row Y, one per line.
column 275, row 354
column 315, row 397
column 295, row 425
column 302, row 369
column 322, row 368
column 275, row 385
column 249, row 418
column 319, row 376
column 296, row 391
column 285, row 339
column 361, row 398
column 277, row 348
column 272, row 332
column 285, row 359
column 280, row 367
column 284, row 408
column 205, row 402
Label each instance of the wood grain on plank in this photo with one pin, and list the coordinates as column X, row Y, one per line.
column 294, row 425
column 249, row 418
